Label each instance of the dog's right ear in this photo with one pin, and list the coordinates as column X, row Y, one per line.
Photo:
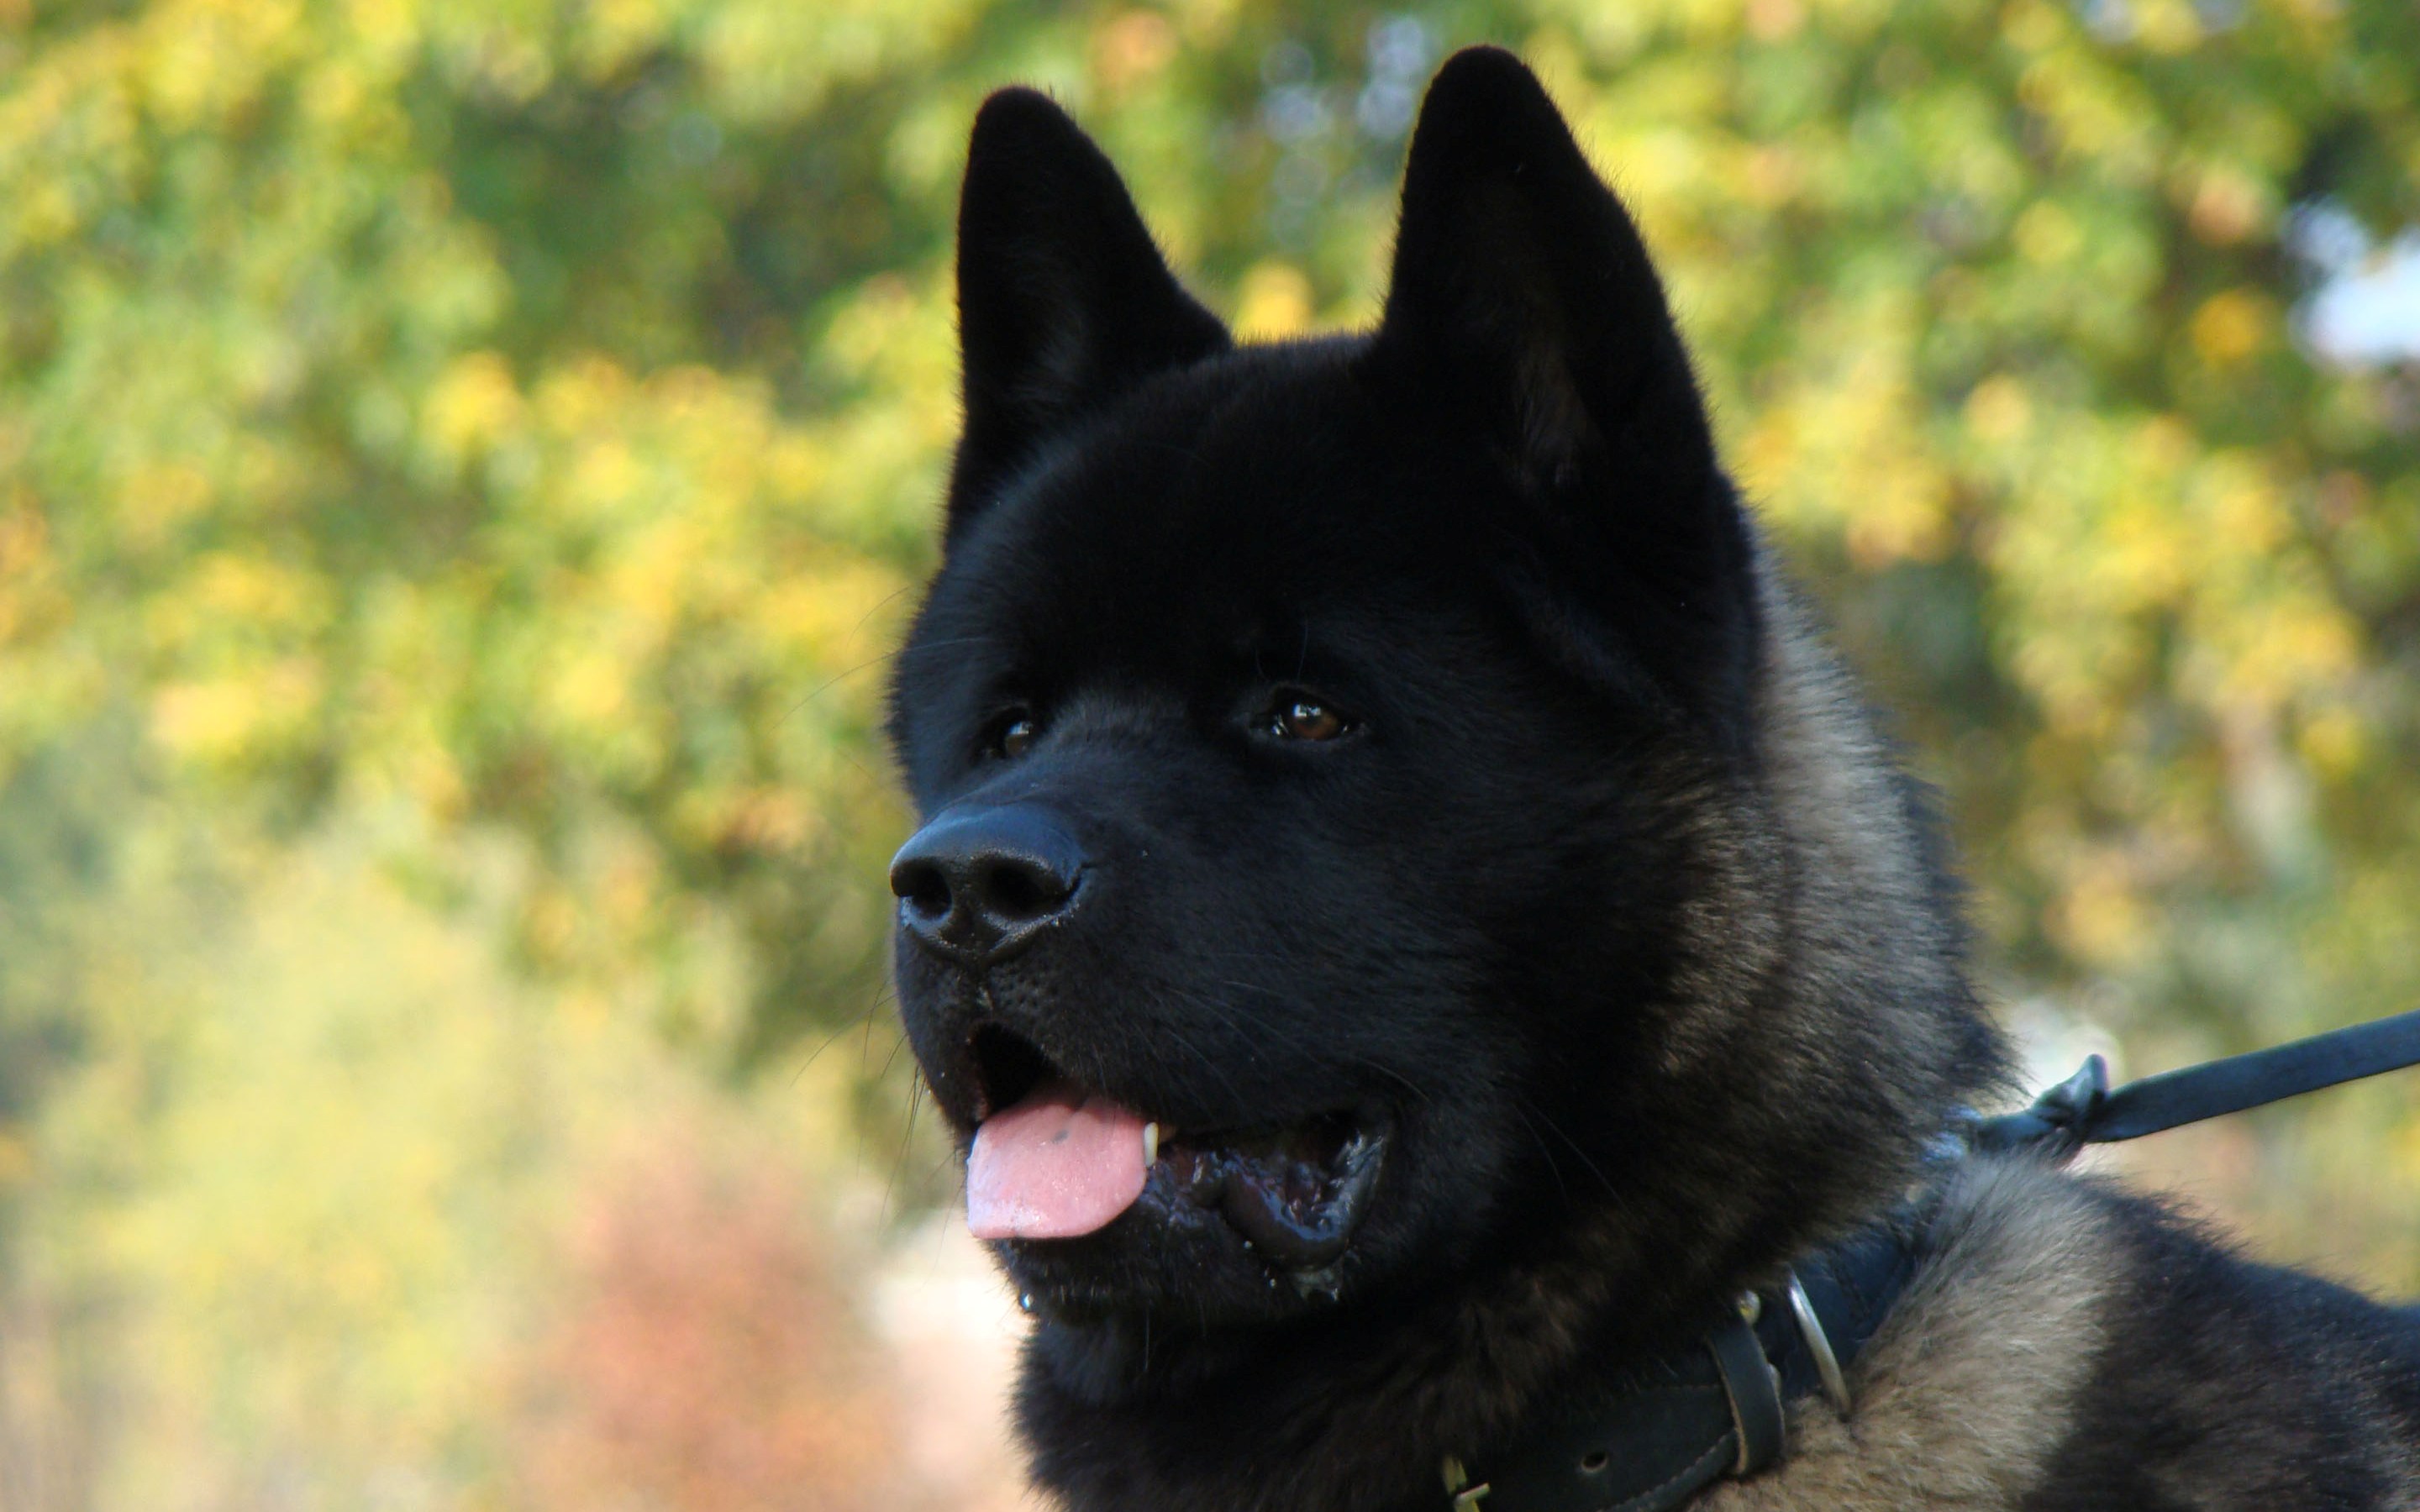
column 1062, row 298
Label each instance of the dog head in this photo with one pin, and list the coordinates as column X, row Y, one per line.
column 1382, row 820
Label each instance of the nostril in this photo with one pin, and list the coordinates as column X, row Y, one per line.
column 924, row 888
column 1017, row 890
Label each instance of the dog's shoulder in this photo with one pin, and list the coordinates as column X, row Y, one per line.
column 2070, row 1345
column 2223, row 1383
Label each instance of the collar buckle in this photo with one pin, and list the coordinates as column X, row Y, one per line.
column 1467, row 1497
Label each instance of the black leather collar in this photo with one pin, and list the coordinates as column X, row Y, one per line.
column 1655, row 1435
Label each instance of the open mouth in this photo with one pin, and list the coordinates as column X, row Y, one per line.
column 1055, row 1160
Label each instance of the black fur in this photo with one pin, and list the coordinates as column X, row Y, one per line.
column 1612, row 898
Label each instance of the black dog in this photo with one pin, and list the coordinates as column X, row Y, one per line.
column 1412, row 925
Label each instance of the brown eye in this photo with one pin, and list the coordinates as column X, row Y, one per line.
column 1305, row 718
column 1015, row 737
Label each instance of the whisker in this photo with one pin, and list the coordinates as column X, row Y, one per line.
column 1540, row 1140
column 1603, row 1180
column 1308, row 1052
column 907, row 1138
column 863, row 1015
column 876, row 661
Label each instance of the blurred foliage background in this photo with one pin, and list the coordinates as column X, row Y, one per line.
column 463, row 466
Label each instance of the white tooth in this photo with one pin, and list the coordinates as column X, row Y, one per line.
column 1150, row 1143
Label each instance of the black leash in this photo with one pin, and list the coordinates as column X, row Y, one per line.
column 2082, row 1110
column 1650, row 1438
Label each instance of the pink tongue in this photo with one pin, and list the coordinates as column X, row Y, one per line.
column 1060, row 1164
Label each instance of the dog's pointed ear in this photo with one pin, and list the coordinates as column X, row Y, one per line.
column 1524, row 315
column 1062, row 298
column 1522, row 297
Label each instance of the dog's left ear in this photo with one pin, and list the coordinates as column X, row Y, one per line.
column 1063, row 302
column 1522, row 296
column 1524, row 315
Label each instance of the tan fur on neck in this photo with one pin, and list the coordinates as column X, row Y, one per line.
column 1964, row 1395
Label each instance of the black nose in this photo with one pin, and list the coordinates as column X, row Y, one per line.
column 977, row 887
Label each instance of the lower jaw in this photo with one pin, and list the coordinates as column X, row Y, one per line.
column 1167, row 1257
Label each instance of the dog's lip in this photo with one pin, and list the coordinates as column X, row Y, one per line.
column 1295, row 1192
column 1294, row 1189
